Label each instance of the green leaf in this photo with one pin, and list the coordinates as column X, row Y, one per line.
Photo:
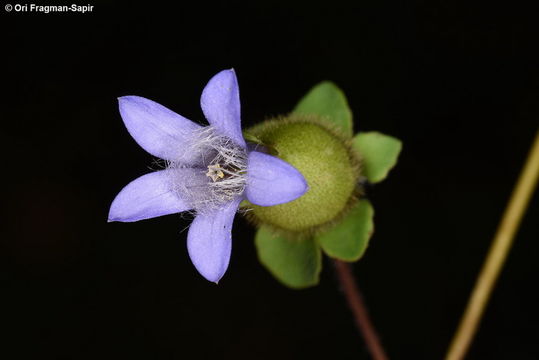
column 328, row 101
column 348, row 240
column 295, row 263
column 379, row 153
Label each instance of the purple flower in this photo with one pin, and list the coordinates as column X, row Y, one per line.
column 209, row 170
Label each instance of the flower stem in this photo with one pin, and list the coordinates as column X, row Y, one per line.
column 361, row 315
column 499, row 249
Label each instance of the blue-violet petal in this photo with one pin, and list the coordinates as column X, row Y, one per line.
column 209, row 241
column 158, row 130
column 272, row 181
column 146, row 197
column 220, row 102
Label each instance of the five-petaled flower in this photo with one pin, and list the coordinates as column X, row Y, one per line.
column 209, row 170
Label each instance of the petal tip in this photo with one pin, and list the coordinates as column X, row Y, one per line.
column 230, row 71
column 113, row 214
column 306, row 187
column 112, row 217
column 127, row 101
column 211, row 277
column 126, row 98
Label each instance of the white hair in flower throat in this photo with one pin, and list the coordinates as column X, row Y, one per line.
column 219, row 175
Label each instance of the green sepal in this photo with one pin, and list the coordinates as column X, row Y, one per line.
column 245, row 204
column 329, row 102
column 349, row 239
column 379, row 153
column 295, row 263
column 251, row 138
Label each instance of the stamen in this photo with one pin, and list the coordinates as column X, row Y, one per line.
column 214, row 172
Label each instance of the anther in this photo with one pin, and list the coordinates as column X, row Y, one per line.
column 215, row 172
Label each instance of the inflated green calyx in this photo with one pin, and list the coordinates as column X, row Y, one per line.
column 327, row 161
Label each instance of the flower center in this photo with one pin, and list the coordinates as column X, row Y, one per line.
column 226, row 170
column 218, row 176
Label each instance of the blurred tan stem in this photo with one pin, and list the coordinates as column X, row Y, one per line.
column 497, row 255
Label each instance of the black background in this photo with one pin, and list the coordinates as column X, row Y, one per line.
column 458, row 84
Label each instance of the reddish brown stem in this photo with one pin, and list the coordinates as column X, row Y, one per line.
column 361, row 316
